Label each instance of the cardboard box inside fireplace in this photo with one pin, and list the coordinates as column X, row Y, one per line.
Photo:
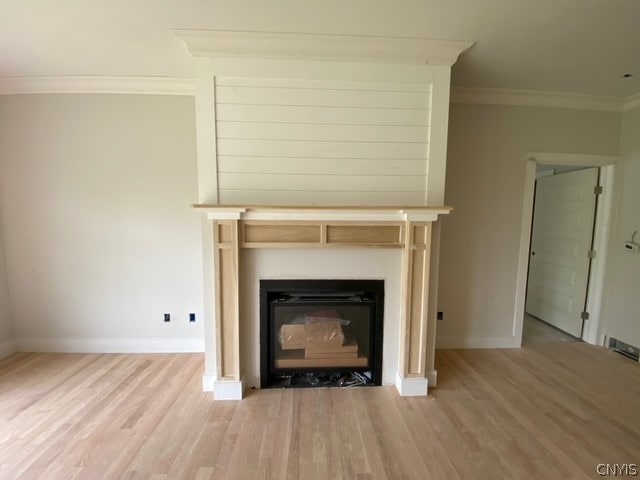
column 321, row 344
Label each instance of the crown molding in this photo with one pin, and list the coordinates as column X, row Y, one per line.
column 535, row 98
column 631, row 103
column 98, row 84
column 302, row 46
column 184, row 86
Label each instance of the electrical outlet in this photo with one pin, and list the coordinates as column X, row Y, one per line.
column 192, row 317
column 167, row 317
column 440, row 316
column 631, row 247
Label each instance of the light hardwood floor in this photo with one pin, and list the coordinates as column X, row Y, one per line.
column 546, row 411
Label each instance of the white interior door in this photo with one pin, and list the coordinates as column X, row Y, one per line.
column 560, row 243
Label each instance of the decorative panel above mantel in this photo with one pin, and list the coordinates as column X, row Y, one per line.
column 321, row 119
column 309, row 141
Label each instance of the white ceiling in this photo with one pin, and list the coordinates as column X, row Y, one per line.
column 571, row 46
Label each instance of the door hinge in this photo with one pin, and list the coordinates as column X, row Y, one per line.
column 591, row 254
column 584, row 315
column 597, row 189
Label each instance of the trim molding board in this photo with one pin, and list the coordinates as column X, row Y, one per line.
column 578, row 159
column 208, row 381
column 411, row 387
column 95, row 84
column 7, row 347
column 631, row 103
column 228, row 390
column 110, row 345
column 303, row 46
column 184, row 86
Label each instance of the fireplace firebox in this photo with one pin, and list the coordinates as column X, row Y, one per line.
column 321, row 332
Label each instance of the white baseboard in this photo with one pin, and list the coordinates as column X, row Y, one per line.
column 7, row 347
column 432, row 377
column 228, row 390
column 411, row 387
column 110, row 345
column 208, row 382
column 477, row 342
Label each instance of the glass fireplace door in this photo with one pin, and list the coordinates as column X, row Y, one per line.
column 312, row 334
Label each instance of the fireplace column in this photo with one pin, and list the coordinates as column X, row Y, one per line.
column 411, row 378
column 226, row 263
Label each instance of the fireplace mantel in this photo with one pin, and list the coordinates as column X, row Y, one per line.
column 356, row 214
column 238, row 227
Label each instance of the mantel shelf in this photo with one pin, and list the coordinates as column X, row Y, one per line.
column 384, row 213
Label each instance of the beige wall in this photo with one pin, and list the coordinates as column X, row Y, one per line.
column 485, row 185
column 622, row 304
column 100, row 238
column 5, row 307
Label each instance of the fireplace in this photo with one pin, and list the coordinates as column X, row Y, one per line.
column 321, row 332
column 380, row 103
column 254, row 243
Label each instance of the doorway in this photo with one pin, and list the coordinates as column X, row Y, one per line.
column 591, row 332
column 561, row 246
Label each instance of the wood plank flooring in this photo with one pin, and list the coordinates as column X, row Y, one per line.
column 545, row 411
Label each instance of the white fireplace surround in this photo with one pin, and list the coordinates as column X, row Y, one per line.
column 250, row 243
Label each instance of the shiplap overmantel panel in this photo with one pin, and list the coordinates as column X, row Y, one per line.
column 306, row 113
column 293, row 132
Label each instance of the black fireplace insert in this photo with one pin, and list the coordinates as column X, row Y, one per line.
column 321, row 332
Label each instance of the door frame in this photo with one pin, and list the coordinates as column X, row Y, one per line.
column 592, row 332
